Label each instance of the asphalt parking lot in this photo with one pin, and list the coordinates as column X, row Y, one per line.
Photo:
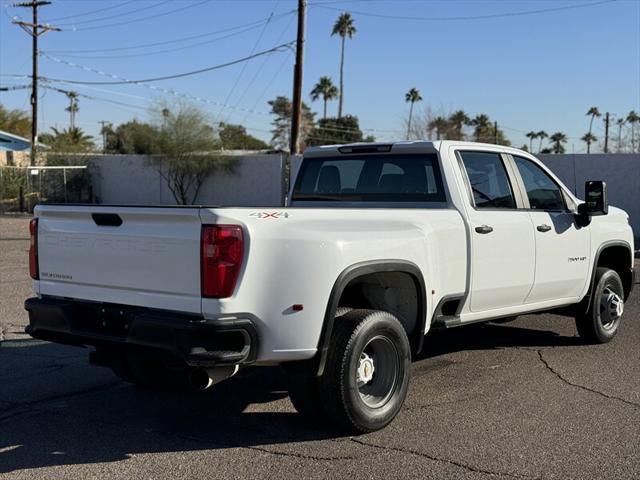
column 521, row 400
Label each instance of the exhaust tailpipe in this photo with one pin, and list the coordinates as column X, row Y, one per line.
column 200, row 379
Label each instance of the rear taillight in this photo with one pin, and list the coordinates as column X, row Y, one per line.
column 33, row 249
column 221, row 250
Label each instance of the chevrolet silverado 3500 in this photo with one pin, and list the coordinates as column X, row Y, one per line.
column 380, row 244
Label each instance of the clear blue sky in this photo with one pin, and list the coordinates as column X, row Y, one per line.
column 529, row 72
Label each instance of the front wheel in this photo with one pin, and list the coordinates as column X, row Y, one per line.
column 602, row 320
column 366, row 376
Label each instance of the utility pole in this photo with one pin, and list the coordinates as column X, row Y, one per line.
column 104, row 123
column 35, row 30
column 495, row 132
column 297, row 81
column 606, row 132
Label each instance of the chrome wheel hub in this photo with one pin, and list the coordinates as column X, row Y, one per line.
column 611, row 308
column 378, row 372
column 366, row 368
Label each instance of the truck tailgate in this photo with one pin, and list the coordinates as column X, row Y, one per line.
column 146, row 256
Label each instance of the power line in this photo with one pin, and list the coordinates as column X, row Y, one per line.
column 278, row 48
column 118, row 15
column 156, row 88
column 15, row 75
column 244, row 66
column 266, row 88
column 471, row 17
column 176, row 40
column 91, row 97
column 91, row 12
column 14, row 87
column 259, row 70
column 195, row 98
column 159, row 52
column 110, row 92
column 142, row 19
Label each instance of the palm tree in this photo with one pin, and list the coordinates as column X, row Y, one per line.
column 345, row 28
column 457, row 120
column 68, row 140
column 589, row 138
column 558, row 139
column 72, row 108
column 620, row 122
column 325, row 89
column 165, row 113
column 15, row 121
column 482, row 124
column 531, row 136
column 541, row 135
column 594, row 112
column 412, row 96
column 439, row 124
column 633, row 118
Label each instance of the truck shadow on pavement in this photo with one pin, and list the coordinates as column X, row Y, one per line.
column 55, row 409
column 492, row 336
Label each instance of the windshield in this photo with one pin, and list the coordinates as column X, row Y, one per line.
column 375, row 178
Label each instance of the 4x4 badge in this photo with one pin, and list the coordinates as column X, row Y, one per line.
column 273, row 215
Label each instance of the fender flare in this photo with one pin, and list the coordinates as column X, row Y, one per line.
column 364, row 268
column 611, row 243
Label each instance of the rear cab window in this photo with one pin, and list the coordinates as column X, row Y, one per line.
column 385, row 178
column 488, row 180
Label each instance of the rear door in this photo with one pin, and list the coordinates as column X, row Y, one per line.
column 502, row 241
column 562, row 247
column 147, row 256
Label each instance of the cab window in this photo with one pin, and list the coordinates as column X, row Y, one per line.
column 488, row 180
column 543, row 192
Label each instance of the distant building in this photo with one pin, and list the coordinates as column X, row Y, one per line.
column 15, row 150
column 13, row 143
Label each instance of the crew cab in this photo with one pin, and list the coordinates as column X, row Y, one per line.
column 379, row 245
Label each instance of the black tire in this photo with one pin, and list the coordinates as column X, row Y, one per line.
column 367, row 373
column 304, row 392
column 303, row 385
column 602, row 320
column 155, row 372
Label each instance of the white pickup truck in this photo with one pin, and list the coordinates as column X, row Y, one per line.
column 380, row 244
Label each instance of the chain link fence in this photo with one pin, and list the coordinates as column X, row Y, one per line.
column 22, row 188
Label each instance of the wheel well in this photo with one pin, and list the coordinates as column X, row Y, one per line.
column 394, row 292
column 397, row 280
column 618, row 258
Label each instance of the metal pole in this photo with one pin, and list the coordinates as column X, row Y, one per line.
column 297, row 81
column 64, row 180
column 34, row 84
column 35, row 30
column 606, row 133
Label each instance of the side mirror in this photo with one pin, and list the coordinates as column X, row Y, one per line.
column 595, row 193
column 595, row 196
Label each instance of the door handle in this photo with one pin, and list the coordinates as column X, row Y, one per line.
column 543, row 228
column 484, row 229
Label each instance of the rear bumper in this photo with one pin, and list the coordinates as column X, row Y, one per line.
column 191, row 338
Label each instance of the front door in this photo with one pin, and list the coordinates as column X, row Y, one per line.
column 562, row 247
